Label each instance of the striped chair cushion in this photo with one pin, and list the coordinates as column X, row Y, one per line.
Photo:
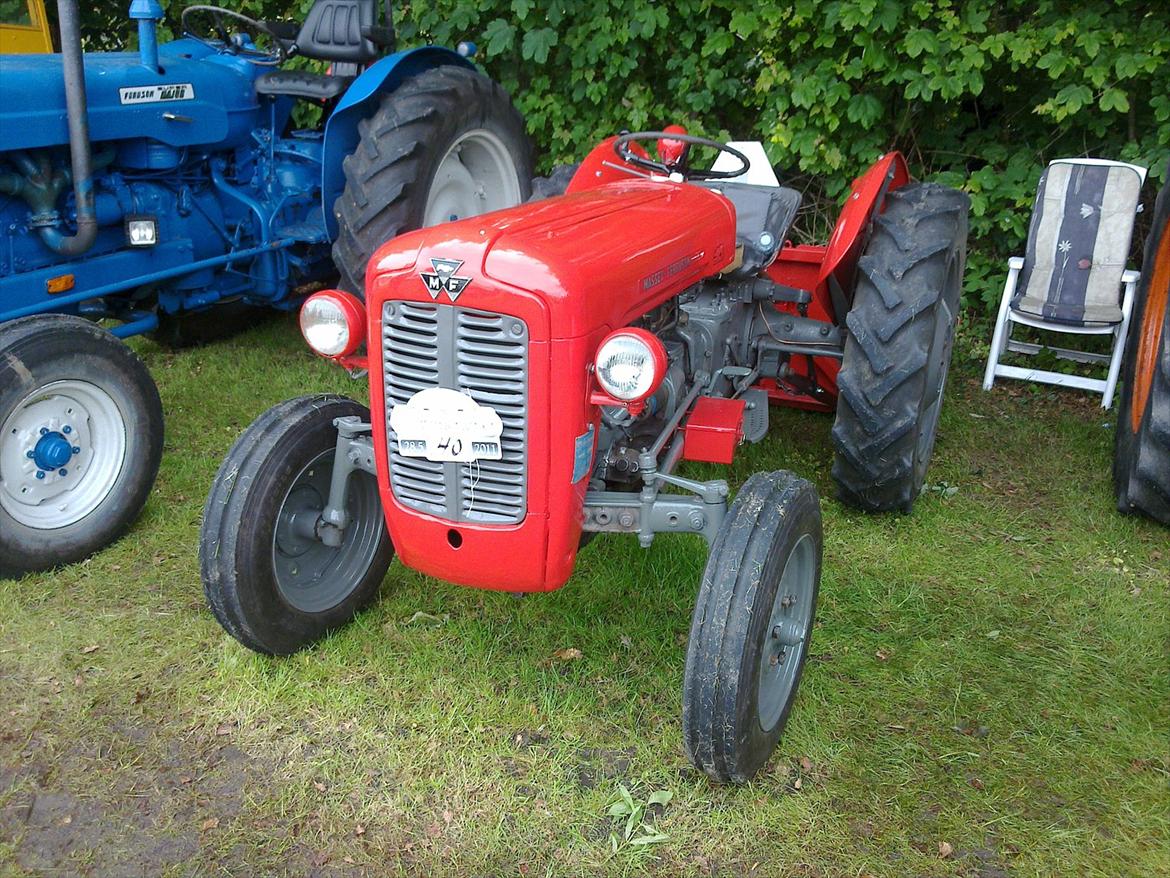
column 1078, row 244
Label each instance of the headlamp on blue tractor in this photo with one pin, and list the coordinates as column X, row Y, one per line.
column 141, row 231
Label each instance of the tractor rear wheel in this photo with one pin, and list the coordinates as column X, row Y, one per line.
column 751, row 627
column 81, row 437
column 1141, row 449
column 901, row 330
column 270, row 580
column 446, row 144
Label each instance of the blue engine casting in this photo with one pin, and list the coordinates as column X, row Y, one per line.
column 201, row 190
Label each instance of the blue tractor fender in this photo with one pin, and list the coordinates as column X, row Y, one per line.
column 360, row 101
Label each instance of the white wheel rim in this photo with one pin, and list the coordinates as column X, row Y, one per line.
column 476, row 175
column 41, row 488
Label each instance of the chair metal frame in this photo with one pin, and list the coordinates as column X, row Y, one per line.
column 1002, row 342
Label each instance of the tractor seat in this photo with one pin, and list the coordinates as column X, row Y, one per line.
column 341, row 31
column 302, row 84
column 763, row 215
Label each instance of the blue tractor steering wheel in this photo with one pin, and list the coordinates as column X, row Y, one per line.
column 225, row 42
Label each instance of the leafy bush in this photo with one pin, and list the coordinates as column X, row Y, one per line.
column 978, row 94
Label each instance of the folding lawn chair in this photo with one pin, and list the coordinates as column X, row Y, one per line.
column 1071, row 277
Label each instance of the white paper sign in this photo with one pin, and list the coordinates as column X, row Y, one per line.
column 445, row 425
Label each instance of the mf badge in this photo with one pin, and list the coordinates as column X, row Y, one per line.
column 443, row 278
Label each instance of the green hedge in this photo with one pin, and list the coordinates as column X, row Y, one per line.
column 978, row 94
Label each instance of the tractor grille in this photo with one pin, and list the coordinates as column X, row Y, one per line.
column 484, row 355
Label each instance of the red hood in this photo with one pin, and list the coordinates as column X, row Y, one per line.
column 599, row 258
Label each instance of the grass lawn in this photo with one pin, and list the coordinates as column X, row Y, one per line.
column 987, row 696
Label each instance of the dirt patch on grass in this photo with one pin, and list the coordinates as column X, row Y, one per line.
column 130, row 806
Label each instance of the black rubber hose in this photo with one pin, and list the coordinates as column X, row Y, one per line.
column 79, row 155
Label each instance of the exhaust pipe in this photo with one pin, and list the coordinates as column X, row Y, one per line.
column 79, row 155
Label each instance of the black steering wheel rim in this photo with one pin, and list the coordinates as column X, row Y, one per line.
column 272, row 57
column 621, row 146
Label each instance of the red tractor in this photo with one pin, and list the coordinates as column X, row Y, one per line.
column 538, row 373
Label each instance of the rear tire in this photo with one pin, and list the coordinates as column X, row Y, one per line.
column 901, row 329
column 421, row 157
column 1141, row 449
column 81, row 437
column 751, row 627
column 270, row 583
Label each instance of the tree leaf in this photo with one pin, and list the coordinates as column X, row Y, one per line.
column 536, row 44
column 498, row 37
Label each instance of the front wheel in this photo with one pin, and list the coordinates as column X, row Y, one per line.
column 751, row 627
column 269, row 579
column 445, row 145
column 81, row 436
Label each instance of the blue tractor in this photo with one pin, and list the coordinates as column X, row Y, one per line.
column 168, row 190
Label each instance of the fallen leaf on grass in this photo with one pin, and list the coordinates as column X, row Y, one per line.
column 359, row 830
column 209, row 823
column 882, row 655
column 318, row 786
column 975, row 782
column 806, row 764
column 225, row 728
column 90, row 649
column 945, row 849
column 567, row 655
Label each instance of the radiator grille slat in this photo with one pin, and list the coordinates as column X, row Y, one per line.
column 479, row 353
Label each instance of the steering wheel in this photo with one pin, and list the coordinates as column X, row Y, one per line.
column 621, row 146
column 223, row 40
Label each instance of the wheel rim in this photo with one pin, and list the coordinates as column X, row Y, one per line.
column 476, row 175
column 62, row 449
column 310, row 575
column 787, row 632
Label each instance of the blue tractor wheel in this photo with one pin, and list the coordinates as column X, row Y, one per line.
column 81, row 432
column 445, row 145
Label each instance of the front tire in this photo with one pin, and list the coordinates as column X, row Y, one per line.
column 81, row 437
column 751, row 628
column 271, row 583
column 901, row 330
column 1141, row 449
column 446, row 144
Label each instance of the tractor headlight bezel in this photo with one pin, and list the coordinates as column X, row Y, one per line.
column 629, row 365
column 333, row 323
